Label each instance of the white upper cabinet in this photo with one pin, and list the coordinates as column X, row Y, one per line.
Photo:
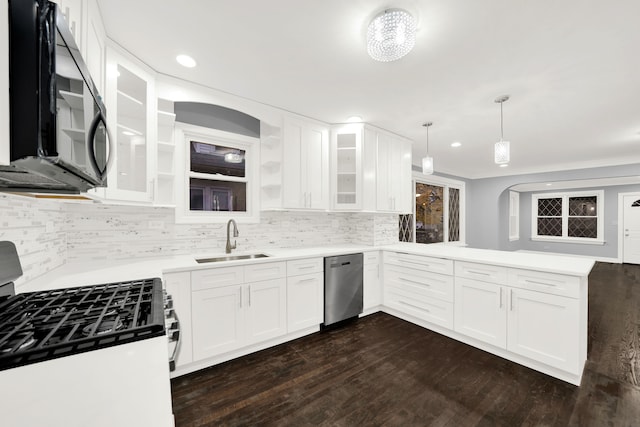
column 305, row 168
column 132, row 121
column 393, row 174
column 346, row 167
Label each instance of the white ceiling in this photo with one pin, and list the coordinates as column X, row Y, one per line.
column 571, row 67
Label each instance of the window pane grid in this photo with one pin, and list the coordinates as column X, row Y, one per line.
column 567, row 216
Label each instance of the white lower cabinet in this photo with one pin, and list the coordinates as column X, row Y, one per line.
column 416, row 287
column 544, row 327
column 218, row 321
column 540, row 326
column 480, row 311
column 305, row 293
column 372, row 284
column 178, row 285
column 266, row 310
column 227, row 316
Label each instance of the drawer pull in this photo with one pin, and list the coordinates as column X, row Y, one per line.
column 535, row 282
column 484, row 273
column 415, row 281
column 415, row 262
column 311, row 279
column 415, row 306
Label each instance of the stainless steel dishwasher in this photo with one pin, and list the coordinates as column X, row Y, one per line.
column 342, row 287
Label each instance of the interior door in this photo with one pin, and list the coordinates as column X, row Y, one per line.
column 631, row 227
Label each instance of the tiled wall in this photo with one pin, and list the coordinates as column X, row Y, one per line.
column 36, row 228
column 48, row 233
column 118, row 232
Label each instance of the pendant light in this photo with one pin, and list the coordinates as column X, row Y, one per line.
column 501, row 148
column 427, row 161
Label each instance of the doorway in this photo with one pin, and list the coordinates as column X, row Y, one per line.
column 630, row 227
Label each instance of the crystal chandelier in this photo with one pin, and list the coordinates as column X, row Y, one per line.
column 427, row 161
column 501, row 148
column 391, row 35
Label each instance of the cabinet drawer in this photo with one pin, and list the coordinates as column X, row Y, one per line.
column 371, row 257
column 482, row 272
column 266, row 271
column 216, row 277
column 550, row 283
column 305, row 266
column 431, row 310
column 420, row 262
column 424, row 283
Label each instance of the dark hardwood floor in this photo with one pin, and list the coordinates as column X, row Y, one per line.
column 382, row 370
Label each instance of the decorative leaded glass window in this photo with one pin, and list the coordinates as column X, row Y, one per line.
column 576, row 217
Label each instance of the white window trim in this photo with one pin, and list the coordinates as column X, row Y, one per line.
column 447, row 183
column 514, row 216
column 565, row 217
column 184, row 134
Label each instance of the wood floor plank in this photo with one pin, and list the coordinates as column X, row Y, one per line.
column 383, row 371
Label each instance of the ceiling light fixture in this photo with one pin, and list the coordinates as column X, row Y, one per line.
column 354, row 119
column 391, row 35
column 456, row 144
column 501, row 148
column 233, row 158
column 186, row 61
column 427, row 161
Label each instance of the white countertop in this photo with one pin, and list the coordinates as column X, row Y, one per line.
column 552, row 263
column 88, row 273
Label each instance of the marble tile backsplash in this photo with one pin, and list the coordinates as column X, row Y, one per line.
column 120, row 232
column 36, row 228
column 49, row 233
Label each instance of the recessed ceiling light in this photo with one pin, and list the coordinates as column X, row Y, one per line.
column 504, row 165
column 549, row 184
column 186, row 61
column 354, row 119
column 456, row 144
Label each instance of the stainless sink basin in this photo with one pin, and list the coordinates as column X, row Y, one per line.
column 230, row 258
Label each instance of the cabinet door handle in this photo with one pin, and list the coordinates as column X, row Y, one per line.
column 500, row 297
column 310, row 199
column 240, row 290
column 415, row 306
column 511, row 298
column 249, row 295
column 311, row 279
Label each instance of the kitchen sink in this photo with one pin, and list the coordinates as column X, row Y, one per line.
column 230, row 258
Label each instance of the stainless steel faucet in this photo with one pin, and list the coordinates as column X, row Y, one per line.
column 235, row 234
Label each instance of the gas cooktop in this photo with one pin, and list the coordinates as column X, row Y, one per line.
column 39, row 326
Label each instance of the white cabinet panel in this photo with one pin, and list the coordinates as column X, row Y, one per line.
column 480, row 311
column 266, row 271
column 218, row 321
column 432, row 285
column 420, row 262
column 266, row 310
column 430, row 309
column 545, row 328
column 305, row 165
column 482, row 272
column 178, row 285
column 394, row 185
column 372, row 286
column 305, row 300
column 305, row 266
column 216, row 277
column 557, row 284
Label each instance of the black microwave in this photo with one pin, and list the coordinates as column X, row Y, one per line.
column 59, row 140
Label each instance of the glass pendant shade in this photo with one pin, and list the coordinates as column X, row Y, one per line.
column 427, row 165
column 501, row 152
column 391, row 35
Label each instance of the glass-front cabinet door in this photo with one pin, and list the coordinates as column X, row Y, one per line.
column 346, row 183
column 130, row 103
